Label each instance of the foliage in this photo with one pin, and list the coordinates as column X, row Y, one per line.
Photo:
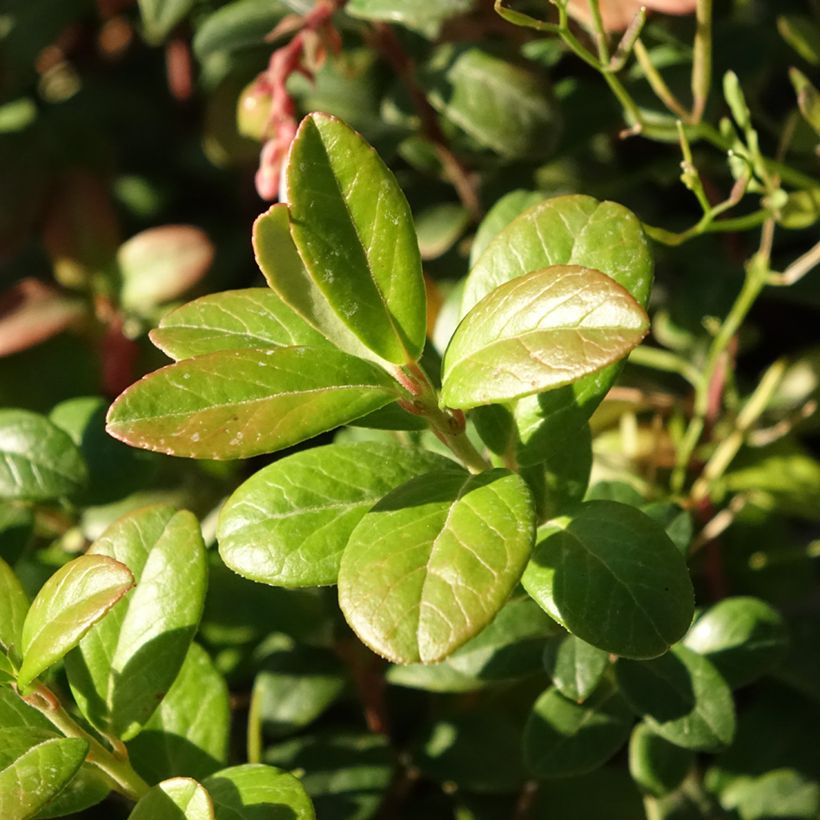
column 445, row 507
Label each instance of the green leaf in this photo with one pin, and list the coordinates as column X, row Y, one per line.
column 576, row 668
column 802, row 34
column 188, row 733
column 179, row 798
column 499, row 216
column 159, row 17
column 13, row 609
column 676, row 521
column 439, row 228
column 15, row 713
column 38, row 461
column 655, row 764
column 257, row 792
column 782, row 793
column 16, row 530
column 87, row 788
column 37, row 775
column 289, row 523
column 433, row 562
column 682, row 697
column 240, row 403
column 424, row 16
column 611, row 576
column 743, row 637
column 564, row 738
column 354, row 231
column 503, row 106
column 537, row 332
column 808, row 98
column 124, row 666
column 232, row 320
column 237, row 25
column 77, row 596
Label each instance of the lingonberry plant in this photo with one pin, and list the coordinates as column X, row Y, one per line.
column 424, row 518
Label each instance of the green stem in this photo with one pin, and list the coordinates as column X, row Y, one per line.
column 665, row 361
column 118, row 770
column 702, row 59
column 657, row 83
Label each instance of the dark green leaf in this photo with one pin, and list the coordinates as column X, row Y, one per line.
column 564, row 738
column 607, row 792
column 124, row 667
column 236, row 404
column 433, row 562
column 289, row 523
column 354, row 231
column 682, row 697
column 676, row 521
column 612, row 577
column 423, row 16
column 576, row 668
column 159, row 17
column 13, row 609
column 655, row 764
column 237, row 25
column 38, row 461
column 177, row 799
column 257, row 792
column 16, row 530
column 77, row 596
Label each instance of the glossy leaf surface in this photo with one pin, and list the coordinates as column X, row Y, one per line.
column 179, row 798
column 288, row 524
column 612, row 577
column 354, row 231
column 256, row 791
column 77, row 596
column 236, row 404
column 537, row 332
column 433, row 562
column 13, row 609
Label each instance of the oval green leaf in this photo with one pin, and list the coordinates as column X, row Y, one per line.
column 255, row 790
column 237, row 404
column 179, row 798
column 433, row 562
column 38, row 461
column 611, row 576
column 13, row 609
column 354, row 231
column 576, row 668
column 563, row 738
column 77, row 596
column 655, row 764
column 288, row 524
column 232, row 320
column 743, row 637
column 123, row 667
column 682, row 697
column 540, row 331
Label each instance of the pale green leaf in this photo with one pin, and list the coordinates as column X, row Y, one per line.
column 179, row 798
column 433, row 562
column 78, row 595
column 288, row 524
column 240, row 403
column 576, row 668
column 612, row 577
column 655, row 764
column 499, row 216
column 87, row 788
column 13, row 609
column 255, row 791
column 439, row 228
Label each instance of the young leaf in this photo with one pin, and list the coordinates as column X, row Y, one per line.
column 743, row 637
column 188, row 733
column 537, row 332
column 77, row 596
column 233, row 320
column 255, row 790
column 682, row 697
column 499, row 216
column 564, row 738
column 34, row 777
column 38, row 461
column 655, row 764
column 612, row 577
column 433, row 562
column 125, row 665
column 179, row 798
column 13, row 609
column 288, row 524
column 354, row 231
column 240, row 403
column 576, row 668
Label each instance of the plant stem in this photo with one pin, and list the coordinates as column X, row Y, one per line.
column 658, row 84
column 118, row 770
column 702, row 59
column 665, row 361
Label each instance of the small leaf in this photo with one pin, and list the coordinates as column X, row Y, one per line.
column 576, row 668
column 682, row 697
column 13, row 609
column 655, row 764
column 179, row 798
column 808, row 98
column 237, row 25
column 289, row 523
column 232, row 320
column 611, row 576
column 38, row 461
column 125, row 665
column 424, row 16
column 743, row 637
column 160, row 17
column 161, row 263
column 802, row 34
column 237, row 404
column 540, row 331
column 433, row 562
column 254, row 790
column 354, row 231
column 77, row 596
column 188, row 733
column 35, row 777
column 564, row 738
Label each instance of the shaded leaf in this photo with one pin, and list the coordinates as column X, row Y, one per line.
column 255, row 791
column 159, row 17
column 424, row 16
column 576, row 668
column 237, row 25
column 439, row 228
column 655, row 764
column 13, row 609
column 16, row 530
column 179, row 798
